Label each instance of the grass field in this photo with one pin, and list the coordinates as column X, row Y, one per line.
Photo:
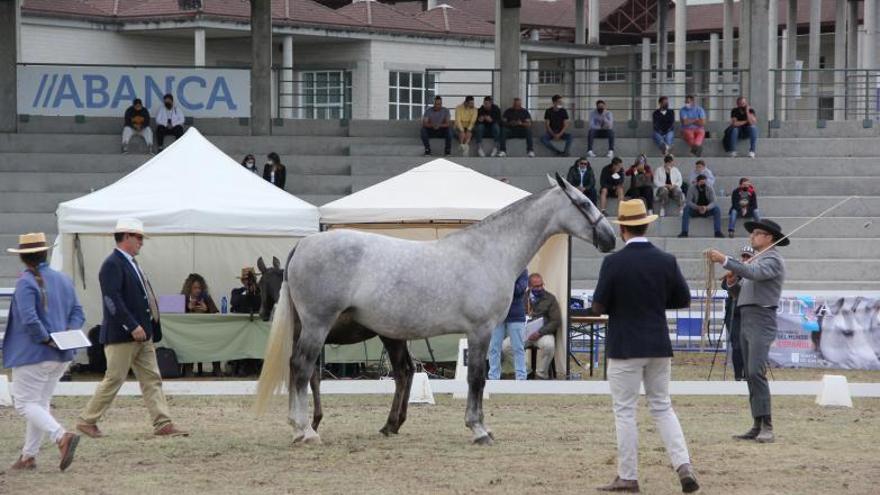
column 549, row 444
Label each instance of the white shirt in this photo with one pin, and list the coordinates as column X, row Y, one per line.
column 637, row 239
column 130, row 259
column 175, row 115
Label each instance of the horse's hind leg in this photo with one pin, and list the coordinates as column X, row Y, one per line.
column 402, row 370
column 305, row 356
column 478, row 344
column 315, row 383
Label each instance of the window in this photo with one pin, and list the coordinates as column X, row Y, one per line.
column 409, row 93
column 326, row 94
column 670, row 71
column 549, row 77
column 612, row 74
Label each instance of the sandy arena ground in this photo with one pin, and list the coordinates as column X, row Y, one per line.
column 552, row 444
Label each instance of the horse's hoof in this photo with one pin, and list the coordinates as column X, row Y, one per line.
column 491, row 435
column 312, row 440
column 299, row 438
column 484, row 440
column 388, row 430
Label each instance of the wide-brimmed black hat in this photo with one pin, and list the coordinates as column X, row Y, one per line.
column 769, row 226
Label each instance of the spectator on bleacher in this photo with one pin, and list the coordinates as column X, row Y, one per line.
column 668, row 182
column 274, row 171
column 601, row 126
column 542, row 304
column 699, row 169
column 198, row 300
column 664, row 125
column 611, row 181
column 488, row 122
column 509, row 333
column 250, row 163
column 137, row 121
column 435, row 124
column 743, row 124
column 581, row 176
column 517, row 124
column 641, row 184
column 743, row 204
column 693, row 122
column 169, row 121
column 44, row 302
column 732, row 321
column 701, row 203
column 556, row 122
column 465, row 120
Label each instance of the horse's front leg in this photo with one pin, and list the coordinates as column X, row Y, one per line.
column 478, row 344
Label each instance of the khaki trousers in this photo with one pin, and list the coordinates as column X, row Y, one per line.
column 140, row 357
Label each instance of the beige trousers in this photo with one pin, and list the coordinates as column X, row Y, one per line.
column 140, row 357
column 546, row 346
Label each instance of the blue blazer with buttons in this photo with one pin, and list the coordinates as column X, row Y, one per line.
column 124, row 302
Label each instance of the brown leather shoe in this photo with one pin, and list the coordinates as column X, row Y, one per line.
column 24, row 464
column 169, row 430
column 619, row 485
column 90, row 431
column 67, row 447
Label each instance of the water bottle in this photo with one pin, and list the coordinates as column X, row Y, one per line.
column 223, row 303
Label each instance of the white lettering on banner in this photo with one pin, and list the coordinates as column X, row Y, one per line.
column 104, row 91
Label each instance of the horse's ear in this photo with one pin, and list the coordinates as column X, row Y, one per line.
column 276, row 263
column 551, row 180
column 261, row 265
column 560, row 180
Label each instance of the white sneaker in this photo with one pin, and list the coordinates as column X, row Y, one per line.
column 733, row 154
column 531, row 154
column 481, row 152
column 662, row 211
column 752, row 155
column 465, row 149
column 502, row 154
column 494, row 152
column 610, row 154
column 591, row 154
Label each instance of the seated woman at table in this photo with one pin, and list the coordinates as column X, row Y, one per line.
column 198, row 300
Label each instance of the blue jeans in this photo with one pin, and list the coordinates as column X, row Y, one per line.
column 734, row 214
column 737, row 132
column 600, row 133
column 514, row 330
column 547, row 140
column 444, row 132
column 516, row 133
column 686, row 217
column 663, row 140
column 480, row 131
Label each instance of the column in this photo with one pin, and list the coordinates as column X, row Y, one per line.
column 840, row 59
column 773, row 55
column 523, row 90
column 814, row 49
column 647, row 108
column 287, row 98
column 662, row 49
column 791, row 57
column 745, row 29
column 507, row 53
column 852, row 35
column 199, row 45
column 9, row 25
column 759, row 60
column 261, row 67
column 727, row 56
column 680, row 54
column 713, row 78
column 580, row 64
column 593, row 39
column 870, row 24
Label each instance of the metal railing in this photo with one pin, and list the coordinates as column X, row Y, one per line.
column 312, row 94
column 825, row 94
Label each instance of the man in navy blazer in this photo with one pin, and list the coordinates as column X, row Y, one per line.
column 635, row 288
column 130, row 326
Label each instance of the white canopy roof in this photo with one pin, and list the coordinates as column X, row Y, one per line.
column 437, row 190
column 191, row 188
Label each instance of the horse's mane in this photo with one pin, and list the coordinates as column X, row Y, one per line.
column 513, row 208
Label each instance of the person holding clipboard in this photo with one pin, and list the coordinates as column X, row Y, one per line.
column 44, row 304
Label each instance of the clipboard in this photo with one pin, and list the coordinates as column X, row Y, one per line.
column 71, row 339
column 533, row 326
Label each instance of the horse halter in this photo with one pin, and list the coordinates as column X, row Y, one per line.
column 577, row 205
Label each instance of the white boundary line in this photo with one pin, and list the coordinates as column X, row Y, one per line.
column 553, row 387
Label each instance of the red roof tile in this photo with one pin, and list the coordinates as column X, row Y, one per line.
column 372, row 14
column 452, row 20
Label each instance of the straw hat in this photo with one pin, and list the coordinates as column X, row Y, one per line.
column 129, row 226
column 247, row 271
column 633, row 213
column 34, row 242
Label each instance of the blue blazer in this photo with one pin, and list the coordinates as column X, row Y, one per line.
column 30, row 323
column 637, row 285
column 124, row 302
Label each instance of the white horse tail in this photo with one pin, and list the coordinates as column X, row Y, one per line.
column 279, row 349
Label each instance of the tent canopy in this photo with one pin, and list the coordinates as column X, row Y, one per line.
column 192, row 187
column 436, row 191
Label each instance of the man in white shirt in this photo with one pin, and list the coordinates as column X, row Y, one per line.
column 667, row 181
column 169, row 121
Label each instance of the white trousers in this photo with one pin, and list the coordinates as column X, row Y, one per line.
column 625, row 377
column 31, row 390
column 145, row 132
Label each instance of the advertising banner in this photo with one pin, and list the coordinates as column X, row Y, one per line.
column 106, row 91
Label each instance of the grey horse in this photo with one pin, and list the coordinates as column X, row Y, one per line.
column 403, row 290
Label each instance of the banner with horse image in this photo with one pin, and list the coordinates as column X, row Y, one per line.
column 827, row 332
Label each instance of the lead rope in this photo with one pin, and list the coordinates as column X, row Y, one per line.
column 711, row 289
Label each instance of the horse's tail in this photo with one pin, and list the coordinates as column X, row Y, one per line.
column 276, row 365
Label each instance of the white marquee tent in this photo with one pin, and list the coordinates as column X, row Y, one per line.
column 433, row 200
column 202, row 212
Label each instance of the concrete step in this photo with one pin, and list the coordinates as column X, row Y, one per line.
column 208, row 126
column 18, row 223
column 70, row 162
column 809, row 248
column 55, row 183
column 8, row 281
column 319, row 184
column 29, row 202
column 320, row 199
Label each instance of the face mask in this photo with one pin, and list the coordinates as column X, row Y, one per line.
column 664, row 108
column 600, row 110
column 168, row 105
column 559, row 106
column 537, row 293
column 688, row 105
column 250, row 164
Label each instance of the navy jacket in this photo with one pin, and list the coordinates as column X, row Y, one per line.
column 517, row 311
column 636, row 286
column 125, row 302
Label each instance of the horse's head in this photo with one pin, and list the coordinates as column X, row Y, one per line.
column 270, row 286
column 845, row 334
column 580, row 217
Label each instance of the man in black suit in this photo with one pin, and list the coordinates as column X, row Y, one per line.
column 635, row 288
column 129, row 328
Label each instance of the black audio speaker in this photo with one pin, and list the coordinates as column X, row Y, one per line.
column 511, row 4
